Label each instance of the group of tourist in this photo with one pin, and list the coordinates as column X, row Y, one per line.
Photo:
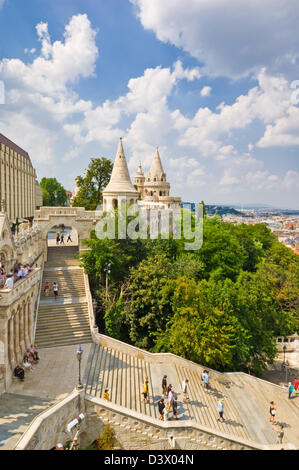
column 30, row 358
column 8, row 279
column 47, row 289
column 169, row 403
column 60, row 238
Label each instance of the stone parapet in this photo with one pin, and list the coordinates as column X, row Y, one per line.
column 133, row 431
column 9, row 296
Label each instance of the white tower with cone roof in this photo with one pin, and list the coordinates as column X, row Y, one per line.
column 120, row 184
column 154, row 189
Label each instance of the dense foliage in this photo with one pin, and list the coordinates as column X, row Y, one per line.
column 221, row 306
column 53, row 192
column 92, row 184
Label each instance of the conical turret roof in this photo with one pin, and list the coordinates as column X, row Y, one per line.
column 120, row 180
column 156, row 168
column 139, row 171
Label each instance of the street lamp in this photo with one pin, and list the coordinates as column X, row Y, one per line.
column 79, row 357
column 107, row 271
column 284, row 353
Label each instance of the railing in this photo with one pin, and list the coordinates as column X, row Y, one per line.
column 7, row 296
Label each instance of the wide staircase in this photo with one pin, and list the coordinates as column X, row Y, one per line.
column 124, row 374
column 63, row 321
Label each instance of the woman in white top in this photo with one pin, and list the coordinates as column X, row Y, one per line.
column 26, row 363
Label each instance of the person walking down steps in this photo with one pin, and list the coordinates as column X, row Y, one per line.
column 55, row 289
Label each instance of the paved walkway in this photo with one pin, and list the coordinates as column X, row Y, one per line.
column 52, row 379
column 56, row 374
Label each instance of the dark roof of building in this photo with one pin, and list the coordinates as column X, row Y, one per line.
column 4, row 140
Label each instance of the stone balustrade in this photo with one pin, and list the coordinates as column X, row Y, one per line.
column 133, row 431
column 8, row 296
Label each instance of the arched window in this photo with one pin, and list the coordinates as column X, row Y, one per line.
column 114, row 203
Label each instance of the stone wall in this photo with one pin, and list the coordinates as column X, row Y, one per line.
column 133, row 431
column 49, row 428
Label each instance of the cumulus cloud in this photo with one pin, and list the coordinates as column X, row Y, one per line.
column 206, row 91
column 39, row 93
column 230, row 38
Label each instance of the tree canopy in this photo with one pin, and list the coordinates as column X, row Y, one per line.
column 221, row 306
column 91, row 186
column 53, row 192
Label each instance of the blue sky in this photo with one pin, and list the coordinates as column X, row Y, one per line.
column 209, row 84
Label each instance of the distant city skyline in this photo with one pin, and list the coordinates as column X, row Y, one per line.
column 213, row 85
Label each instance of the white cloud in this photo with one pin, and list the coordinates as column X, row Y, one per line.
column 206, row 91
column 39, row 96
column 59, row 64
column 231, row 38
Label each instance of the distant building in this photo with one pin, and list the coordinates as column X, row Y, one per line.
column 191, row 206
column 18, row 186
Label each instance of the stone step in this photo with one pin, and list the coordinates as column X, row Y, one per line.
column 65, row 342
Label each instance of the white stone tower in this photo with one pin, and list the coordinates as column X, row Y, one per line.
column 139, row 181
column 120, row 184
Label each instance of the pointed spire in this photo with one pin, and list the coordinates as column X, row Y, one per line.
column 139, row 171
column 120, row 180
column 156, row 170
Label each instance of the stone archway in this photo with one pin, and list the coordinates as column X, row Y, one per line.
column 76, row 217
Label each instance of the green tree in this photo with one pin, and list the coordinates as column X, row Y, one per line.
column 53, row 192
column 199, row 331
column 148, row 302
column 91, row 186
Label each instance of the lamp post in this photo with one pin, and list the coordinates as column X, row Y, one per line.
column 79, row 357
column 107, row 271
column 284, row 353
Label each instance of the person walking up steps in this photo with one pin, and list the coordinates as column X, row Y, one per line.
column 206, row 380
column 291, row 389
column 161, row 406
column 145, row 391
column 175, row 407
column 69, row 238
column 55, row 289
column 171, row 398
column 106, row 394
column 280, row 435
column 220, row 410
column 164, row 385
column 166, row 411
column 47, row 289
column 272, row 412
column 62, row 239
column 185, row 390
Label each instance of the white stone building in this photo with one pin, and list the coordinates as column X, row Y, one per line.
column 153, row 191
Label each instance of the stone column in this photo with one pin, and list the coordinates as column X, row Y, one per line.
column 22, row 332
column 30, row 322
column 17, row 336
column 26, row 326
column 11, row 346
